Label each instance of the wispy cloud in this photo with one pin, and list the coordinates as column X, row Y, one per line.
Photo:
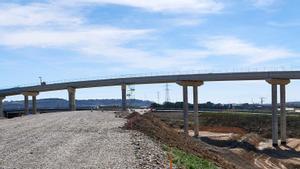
column 186, row 21
column 234, row 47
column 36, row 14
column 263, row 3
column 177, row 6
column 50, row 25
column 70, row 38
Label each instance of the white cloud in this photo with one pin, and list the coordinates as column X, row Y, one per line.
column 52, row 26
column 69, row 38
column 263, row 3
column 231, row 46
column 186, row 21
column 104, row 44
column 36, row 14
column 177, row 6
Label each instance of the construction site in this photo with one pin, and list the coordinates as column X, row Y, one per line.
column 139, row 139
column 149, row 84
column 168, row 135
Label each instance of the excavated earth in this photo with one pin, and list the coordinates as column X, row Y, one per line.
column 81, row 139
column 226, row 150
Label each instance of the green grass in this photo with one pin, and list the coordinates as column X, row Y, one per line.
column 188, row 161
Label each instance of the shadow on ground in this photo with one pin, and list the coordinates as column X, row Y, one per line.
column 272, row 152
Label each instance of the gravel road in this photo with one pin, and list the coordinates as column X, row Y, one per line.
column 81, row 139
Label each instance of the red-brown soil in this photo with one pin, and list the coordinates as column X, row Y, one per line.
column 155, row 128
column 235, row 130
column 235, row 152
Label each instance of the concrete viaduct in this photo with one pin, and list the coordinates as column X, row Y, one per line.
column 274, row 78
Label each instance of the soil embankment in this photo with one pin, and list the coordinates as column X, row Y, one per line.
column 250, row 146
column 155, row 128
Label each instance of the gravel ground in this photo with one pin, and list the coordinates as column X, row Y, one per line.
column 149, row 153
column 80, row 139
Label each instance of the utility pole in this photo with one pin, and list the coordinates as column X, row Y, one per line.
column 167, row 91
column 158, row 99
column 262, row 100
column 41, row 80
column 130, row 95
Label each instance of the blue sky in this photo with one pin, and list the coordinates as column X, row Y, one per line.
column 71, row 39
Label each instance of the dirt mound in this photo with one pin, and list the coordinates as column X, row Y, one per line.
column 235, row 130
column 155, row 128
column 132, row 115
column 252, row 138
column 121, row 114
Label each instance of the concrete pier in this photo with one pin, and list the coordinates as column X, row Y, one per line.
column 274, row 116
column 185, row 109
column 26, row 102
column 124, row 102
column 275, row 83
column 195, row 85
column 283, row 112
column 196, row 108
column 72, row 101
column 34, row 108
column 26, row 105
column 196, row 111
column 1, row 107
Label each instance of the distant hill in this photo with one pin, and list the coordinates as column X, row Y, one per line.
column 293, row 104
column 57, row 103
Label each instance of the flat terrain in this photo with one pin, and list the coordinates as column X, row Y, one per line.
column 80, row 139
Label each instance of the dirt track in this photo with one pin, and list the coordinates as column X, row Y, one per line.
column 66, row 140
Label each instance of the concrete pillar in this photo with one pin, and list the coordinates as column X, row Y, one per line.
column 124, row 104
column 185, row 109
column 196, row 111
column 274, row 116
column 26, row 105
column 1, row 106
column 282, row 83
column 34, row 108
column 26, row 102
column 282, row 115
column 72, row 101
column 195, row 84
